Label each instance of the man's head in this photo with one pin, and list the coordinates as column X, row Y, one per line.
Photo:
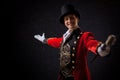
column 68, row 10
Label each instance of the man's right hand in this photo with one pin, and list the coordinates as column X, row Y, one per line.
column 40, row 38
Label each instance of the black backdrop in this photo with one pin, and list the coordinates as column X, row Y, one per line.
column 36, row 61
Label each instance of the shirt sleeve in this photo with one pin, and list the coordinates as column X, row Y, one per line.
column 90, row 42
column 54, row 42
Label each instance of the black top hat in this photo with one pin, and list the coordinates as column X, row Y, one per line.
column 68, row 9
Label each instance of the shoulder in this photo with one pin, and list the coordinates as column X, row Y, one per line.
column 87, row 33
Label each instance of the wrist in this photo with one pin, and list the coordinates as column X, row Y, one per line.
column 44, row 41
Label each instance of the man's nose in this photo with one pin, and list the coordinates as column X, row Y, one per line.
column 69, row 20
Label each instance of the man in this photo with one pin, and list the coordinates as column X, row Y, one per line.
column 74, row 46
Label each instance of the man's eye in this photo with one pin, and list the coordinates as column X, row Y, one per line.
column 66, row 18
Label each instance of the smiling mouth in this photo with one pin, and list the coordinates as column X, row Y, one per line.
column 70, row 24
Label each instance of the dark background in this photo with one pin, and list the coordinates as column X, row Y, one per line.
column 33, row 60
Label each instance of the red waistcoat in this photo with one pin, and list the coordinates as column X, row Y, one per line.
column 86, row 43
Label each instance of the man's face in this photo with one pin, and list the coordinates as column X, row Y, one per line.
column 71, row 21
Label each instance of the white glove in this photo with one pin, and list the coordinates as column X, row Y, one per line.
column 103, row 52
column 40, row 38
column 104, row 49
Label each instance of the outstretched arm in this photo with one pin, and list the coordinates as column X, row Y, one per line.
column 98, row 47
column 54, row 41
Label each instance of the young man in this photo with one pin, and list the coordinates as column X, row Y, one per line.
column 74, row 46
